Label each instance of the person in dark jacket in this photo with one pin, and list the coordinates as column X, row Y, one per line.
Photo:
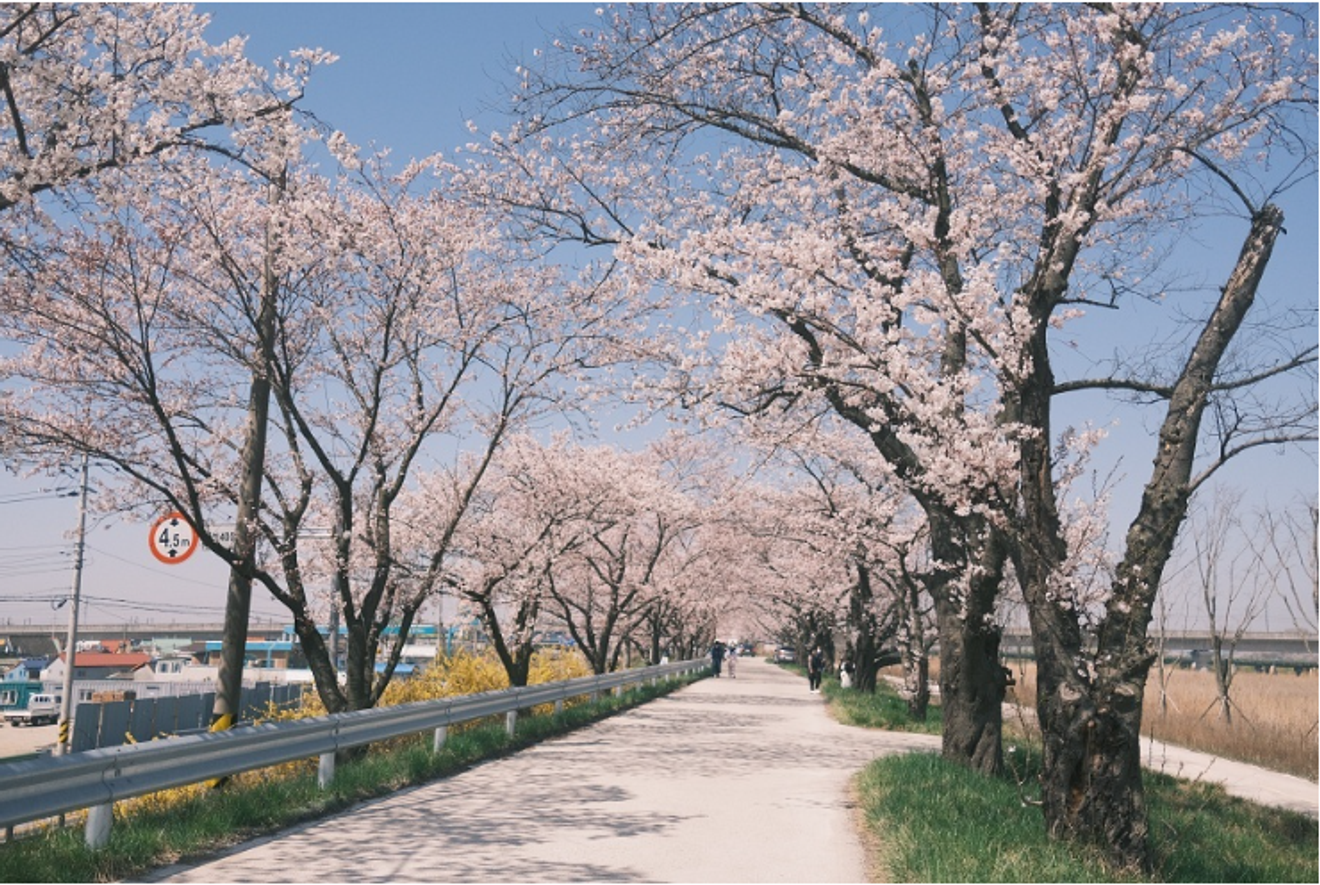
column 815, row 669
column 717, row 657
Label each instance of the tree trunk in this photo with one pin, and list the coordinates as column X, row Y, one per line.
column 972, row 690
column 1223, row 679
column 916, row 681
column 913, row 648
column 1091, row 725
column 866, row 648
column 238, row 603
column 972, row 679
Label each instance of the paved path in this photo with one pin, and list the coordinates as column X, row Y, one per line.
column 1249, row 782
column 727, row 780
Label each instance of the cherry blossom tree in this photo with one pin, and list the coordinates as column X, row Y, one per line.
column 89, row 87
column 898, row 218
column 637, row 542
column 407, row 333
column 526, row 522
column 860, row 522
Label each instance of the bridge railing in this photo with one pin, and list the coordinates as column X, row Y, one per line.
column 95, row 780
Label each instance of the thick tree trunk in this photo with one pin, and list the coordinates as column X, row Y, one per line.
column 972, row 679
column 1091, row 724
column 866, row 645
column 1091, row 786
column 971, row 690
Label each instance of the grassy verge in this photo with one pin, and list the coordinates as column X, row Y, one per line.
column 938, row 822
column 935, row 821
column 884, row 709
column 197, row 821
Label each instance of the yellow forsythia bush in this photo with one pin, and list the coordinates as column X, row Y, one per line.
column 557, row 665
column 460, row 674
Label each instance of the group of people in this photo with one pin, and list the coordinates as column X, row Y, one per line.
column 719, row 653
column 816, row 670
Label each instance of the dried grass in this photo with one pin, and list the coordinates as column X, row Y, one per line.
column 1274, row 716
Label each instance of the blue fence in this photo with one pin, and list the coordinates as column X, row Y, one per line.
column 115, row 723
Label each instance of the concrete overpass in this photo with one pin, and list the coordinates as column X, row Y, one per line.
column 1292, row 649
column 29, row 639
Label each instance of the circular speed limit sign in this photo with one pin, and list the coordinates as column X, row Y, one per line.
column 173, row 539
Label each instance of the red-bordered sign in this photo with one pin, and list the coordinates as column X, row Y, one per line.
column 173, row 539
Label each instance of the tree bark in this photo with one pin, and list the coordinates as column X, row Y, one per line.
column 916, row 657
column 866, row 645
column 972, row 680
column 1091, row 719
column 238, row 603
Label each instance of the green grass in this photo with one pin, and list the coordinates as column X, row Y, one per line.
column 936, row 821
column 884, row 709
column 210, row 820
column 939, row 822
column 1201, row 834
column 991, row 830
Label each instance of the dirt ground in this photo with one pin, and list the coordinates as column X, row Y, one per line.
column 21, row 740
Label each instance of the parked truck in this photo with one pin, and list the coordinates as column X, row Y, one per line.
column 41, row 709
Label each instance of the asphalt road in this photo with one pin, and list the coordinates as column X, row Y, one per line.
column 727, row 780
column 19, row 740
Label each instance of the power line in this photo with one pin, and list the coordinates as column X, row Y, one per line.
column 154, row 571
column 39, row 495
column 110, row 605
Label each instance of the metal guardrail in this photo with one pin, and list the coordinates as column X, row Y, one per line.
column 55, row 785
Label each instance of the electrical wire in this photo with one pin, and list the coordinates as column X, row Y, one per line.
column 38, row 495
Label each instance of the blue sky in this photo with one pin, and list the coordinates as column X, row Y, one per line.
column 409, row 77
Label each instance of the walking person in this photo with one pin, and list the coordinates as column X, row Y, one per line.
column 846, row 671
column 717, row 657
column 733, row 662
column 815, row 669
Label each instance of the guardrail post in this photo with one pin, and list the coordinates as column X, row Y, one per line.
column 559, row 706
column 97, row 831
column 511, row 722
column 438, row 743
column 325, row 771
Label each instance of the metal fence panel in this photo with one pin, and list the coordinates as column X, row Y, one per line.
column 86, row 727
column 114, row 723
column 189, row 714
column 142, row 721
column 167, row 713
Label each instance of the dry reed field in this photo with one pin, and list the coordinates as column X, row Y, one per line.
column 1274, row 716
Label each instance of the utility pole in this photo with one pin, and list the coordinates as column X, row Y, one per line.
column 65, row 744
